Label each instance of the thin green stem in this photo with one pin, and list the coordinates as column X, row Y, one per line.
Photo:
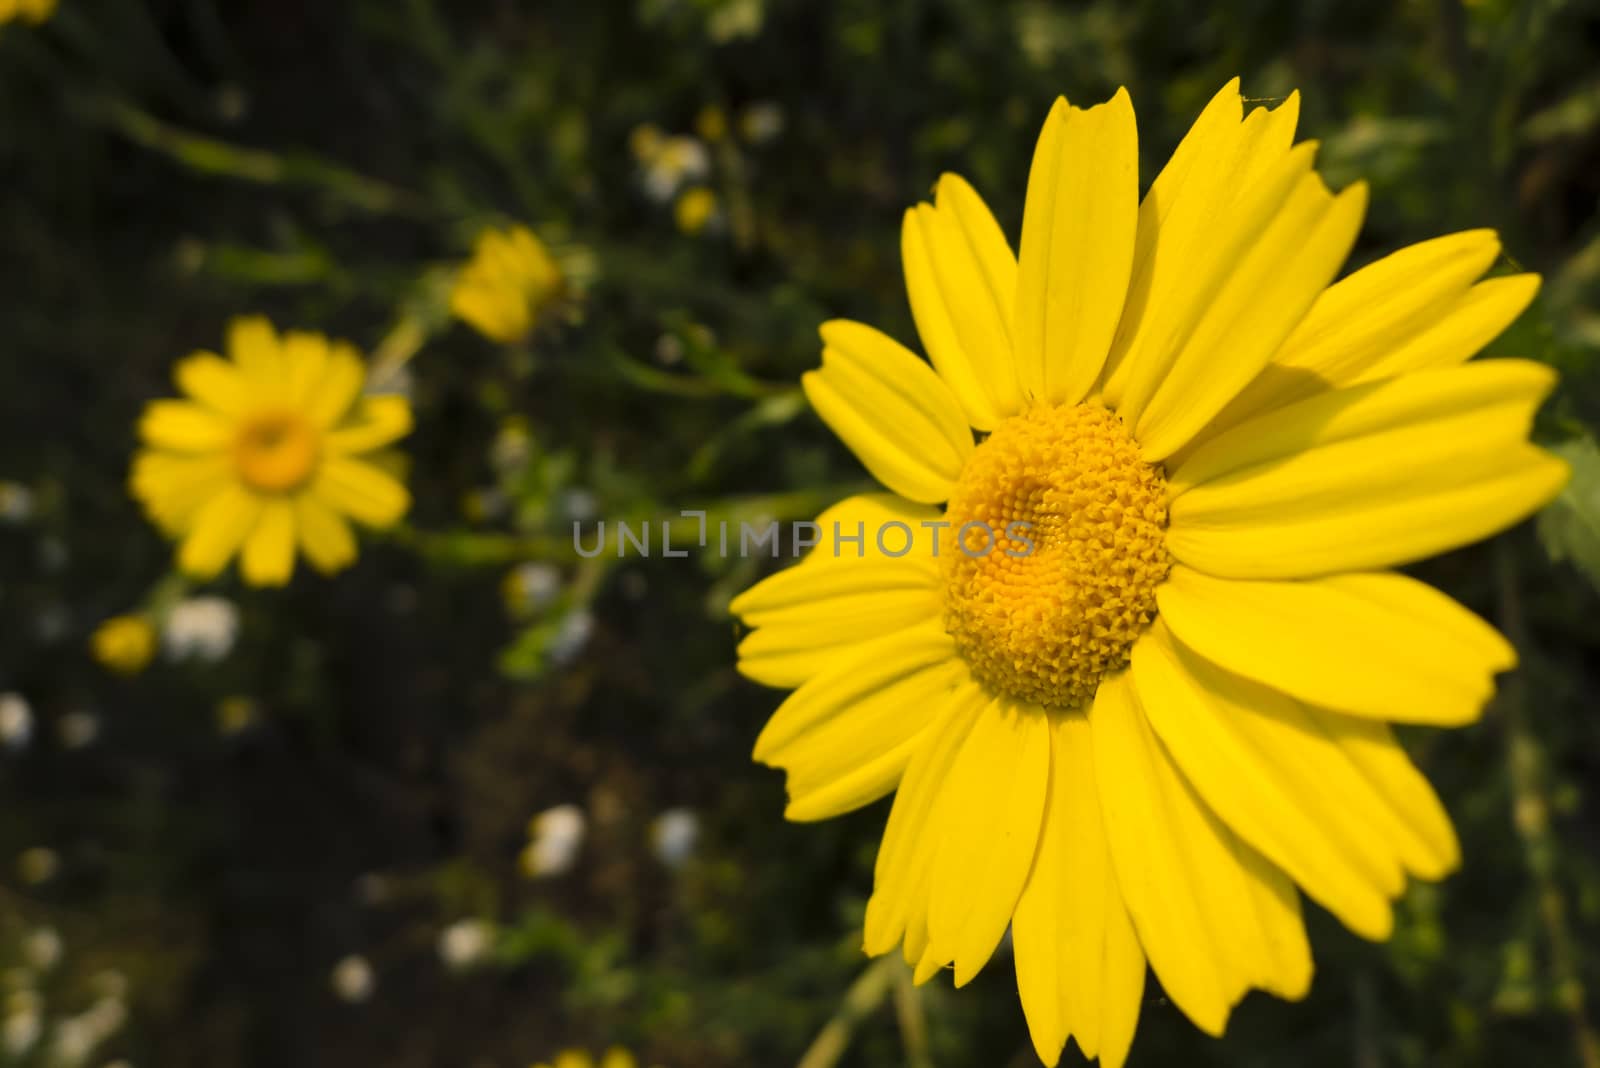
column 599, row 541
column 404, row 341
column 209, row 155
column 908, row 1011
column 863, row 998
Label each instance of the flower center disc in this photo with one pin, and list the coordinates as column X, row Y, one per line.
column 1054, row 551
column 276, row 452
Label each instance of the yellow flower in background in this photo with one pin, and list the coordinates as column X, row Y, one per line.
column 507, row 284
column 35, row 11
column 125, row 644
column 274, row 450
column 695, row 209
column 615, row 1057
column 1132, row 683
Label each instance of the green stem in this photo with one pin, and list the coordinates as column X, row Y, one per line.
column 860, row 1001
column 1531, row 817
column 908, row 1011
column 493, row 549
column 403, row 341
column 208, row 155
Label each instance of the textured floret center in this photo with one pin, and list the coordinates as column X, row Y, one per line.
column 1055, row 548
column 276, row 452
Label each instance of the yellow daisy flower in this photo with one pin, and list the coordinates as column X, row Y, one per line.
column 1132, row 684
column 273, row 449
column 615, row 1057
column 510, row 280
column 34, row 11
column 125, row 644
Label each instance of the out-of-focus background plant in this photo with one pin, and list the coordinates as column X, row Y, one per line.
column 478, row 799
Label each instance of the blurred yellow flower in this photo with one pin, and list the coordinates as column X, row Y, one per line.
column 507, row 284
column 272, row 450
column 615, row 1057
column 695, row 209
column 125, row 644
column 35, row 11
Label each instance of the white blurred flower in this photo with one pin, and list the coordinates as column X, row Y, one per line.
column 77, row 729
column 580, row 505
column 353, row 979
column 16, row 721
column 676, row 161
column 530, row 587
column 105, row 1017
column 75, row 1038
column 554, row 838
column 16, row 502
column 571, row 636
column 200, row 627
column 465, row 943
column 761, row 122
column 41, row 948
column 673, row 836
column 23, row 1025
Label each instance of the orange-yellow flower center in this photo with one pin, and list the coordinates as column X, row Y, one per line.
column 276, row 452
column 1055, row 548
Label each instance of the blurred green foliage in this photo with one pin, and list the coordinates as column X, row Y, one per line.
column 384, row 737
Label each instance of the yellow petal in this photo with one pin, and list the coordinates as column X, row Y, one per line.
column 850, row 530
column 174, row 486
column 330, row 399
column 1379, row 645
column 988, row 817
column 1078, row 231
column 217, row 531
column 1370, row 476
column 305, row 357
column 911, row 839
column 846, row 735
column 373, row 423
column 213, row 382
column 360, row 490
column 962, row 278
column 1191, row 203
column 268, row 558
column 1476, row 318
column 184, row 426
column 253, row 346
column 1080, row 970
column 323, row 534
column 1359, row 324
column 1264, row 292
column 1213, row 916
column 1258, row 760
column 891, row 409
column 845, row 591
column 494, row 311
column 1420, row 827
column 806, row 617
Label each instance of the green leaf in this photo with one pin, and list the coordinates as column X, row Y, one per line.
column 1570, row 526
